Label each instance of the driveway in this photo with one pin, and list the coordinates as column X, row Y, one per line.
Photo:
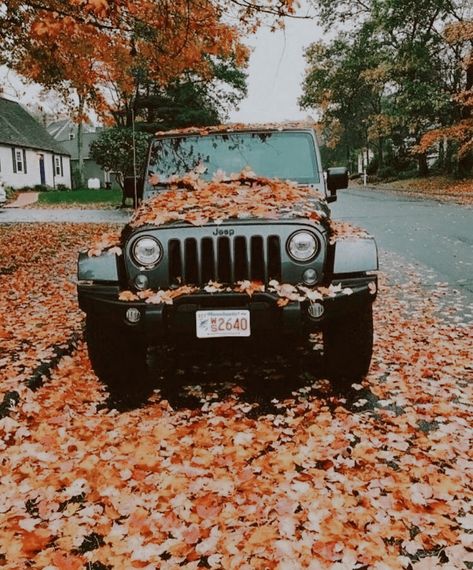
column 24, row 199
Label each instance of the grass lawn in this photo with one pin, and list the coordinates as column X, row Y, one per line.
column 112, row 197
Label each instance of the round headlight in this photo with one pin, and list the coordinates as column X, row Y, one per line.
column 147, row 251
column 302, row 246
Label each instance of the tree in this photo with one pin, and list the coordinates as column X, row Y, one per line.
column 116, row 149
column 103, row 41
column 344, row 81
column 401, row 75
column 460, row 130
column 189, row 100
column 78, row 48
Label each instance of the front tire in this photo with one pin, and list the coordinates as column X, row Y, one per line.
column 118, row 357
column 348, row 346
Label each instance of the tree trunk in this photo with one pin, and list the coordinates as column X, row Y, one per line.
column 120, row 177
column 465, row 162
column 449, row 157
column 380, row 153
column 441, row 157
column 80, row 157
column 423, row 166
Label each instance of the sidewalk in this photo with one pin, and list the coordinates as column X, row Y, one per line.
column 57, row 215
column 24, row 199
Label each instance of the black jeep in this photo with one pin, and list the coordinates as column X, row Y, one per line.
column 233, row 239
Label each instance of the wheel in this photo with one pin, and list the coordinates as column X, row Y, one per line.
column 118, row 357
column 348, row 346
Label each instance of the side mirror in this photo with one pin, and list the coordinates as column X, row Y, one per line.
column 337, row 179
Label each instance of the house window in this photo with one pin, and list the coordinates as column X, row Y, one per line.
column 71, row 136
column 57, row 166
column 19, row 161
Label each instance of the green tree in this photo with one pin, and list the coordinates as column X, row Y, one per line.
column 345, row 81
column 189, row 100
column 402, row 78
column 121, row 151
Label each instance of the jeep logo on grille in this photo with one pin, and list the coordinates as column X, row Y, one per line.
column 219, row 232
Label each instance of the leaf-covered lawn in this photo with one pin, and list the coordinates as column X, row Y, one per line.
column 436, row 187
column 259, row 465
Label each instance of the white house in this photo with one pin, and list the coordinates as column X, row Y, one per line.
column 29, row 156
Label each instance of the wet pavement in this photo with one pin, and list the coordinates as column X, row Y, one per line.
column 438, row 237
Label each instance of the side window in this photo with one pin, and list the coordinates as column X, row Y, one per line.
column 19, row 161
column 57, row 166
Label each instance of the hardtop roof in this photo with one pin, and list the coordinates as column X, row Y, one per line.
column 240, row 127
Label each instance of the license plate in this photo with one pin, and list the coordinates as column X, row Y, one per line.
column 229, row 322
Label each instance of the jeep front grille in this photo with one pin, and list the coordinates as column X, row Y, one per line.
column 224, row 259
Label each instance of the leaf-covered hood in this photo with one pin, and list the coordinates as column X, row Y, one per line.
column 241, row 197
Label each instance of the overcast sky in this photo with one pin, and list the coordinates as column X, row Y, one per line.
column 276, row 72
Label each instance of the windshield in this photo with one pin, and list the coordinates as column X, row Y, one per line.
column 287, row 155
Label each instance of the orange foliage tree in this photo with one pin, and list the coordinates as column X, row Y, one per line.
column 459, row 34
column 85, row 43
column 78, row 47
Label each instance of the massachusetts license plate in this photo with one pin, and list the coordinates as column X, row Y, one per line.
column 228, row 322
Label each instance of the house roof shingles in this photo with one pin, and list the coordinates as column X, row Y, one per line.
column 19, row 128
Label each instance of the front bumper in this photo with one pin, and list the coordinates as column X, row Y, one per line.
column 159, row 322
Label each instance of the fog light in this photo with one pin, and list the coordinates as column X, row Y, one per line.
column 309, row 276
column 133, row 315
column 316, row 310
column 141, row 282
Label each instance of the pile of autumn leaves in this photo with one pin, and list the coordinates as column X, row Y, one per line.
column 381, row 482
column 242, row 196
column 38, row 306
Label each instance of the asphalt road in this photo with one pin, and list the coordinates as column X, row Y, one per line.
column 435, row 235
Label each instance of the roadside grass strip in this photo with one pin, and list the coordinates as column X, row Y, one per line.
column 80, row 197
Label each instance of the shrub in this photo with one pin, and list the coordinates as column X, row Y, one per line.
column 405, row 174
column 62, row 188
column 372, row 167
column 387, row 172
column 10, row 192
column 41, row 188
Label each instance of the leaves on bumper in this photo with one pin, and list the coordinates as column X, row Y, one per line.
column 284, row 291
